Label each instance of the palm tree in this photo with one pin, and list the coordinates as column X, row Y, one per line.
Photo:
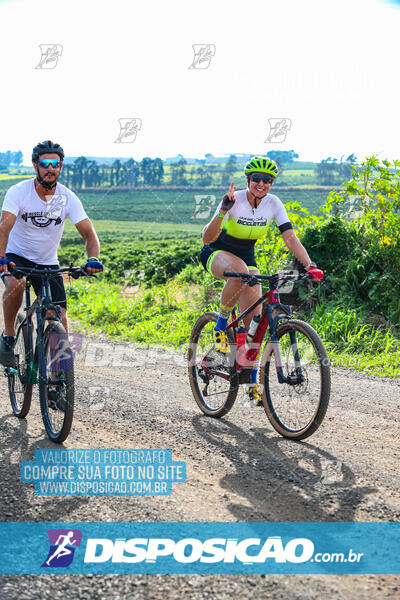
column 80, row 165
column 117, row 167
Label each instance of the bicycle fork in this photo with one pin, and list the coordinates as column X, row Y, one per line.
column 290, row 378
column 251, row 355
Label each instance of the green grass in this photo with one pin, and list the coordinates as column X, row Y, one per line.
column 155, row 318
column 298, row 177
column 166, row 314
column 351, row 342
column 11, row 177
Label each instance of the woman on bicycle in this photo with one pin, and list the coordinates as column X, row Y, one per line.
column 229, row 238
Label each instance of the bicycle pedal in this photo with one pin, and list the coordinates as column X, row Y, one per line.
column 9, row 370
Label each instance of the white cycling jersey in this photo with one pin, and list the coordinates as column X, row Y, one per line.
column 243, row 224
column 37, row 231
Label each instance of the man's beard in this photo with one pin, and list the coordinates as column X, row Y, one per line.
column 46, row 184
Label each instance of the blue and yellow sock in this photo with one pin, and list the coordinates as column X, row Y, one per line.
column 223, row 317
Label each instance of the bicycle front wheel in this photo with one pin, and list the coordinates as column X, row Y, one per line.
column 297, row 406
column 20, row 383
column 56, row 383
column 212, row 375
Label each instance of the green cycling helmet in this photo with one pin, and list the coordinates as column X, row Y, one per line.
column 261, row 164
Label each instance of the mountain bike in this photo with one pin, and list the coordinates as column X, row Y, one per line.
column 294, row 367
column 48, row 361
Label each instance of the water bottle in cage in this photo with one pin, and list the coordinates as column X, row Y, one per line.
column 252, row 329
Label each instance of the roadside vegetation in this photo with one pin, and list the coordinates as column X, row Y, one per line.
column 355, row 240
column 154, row 289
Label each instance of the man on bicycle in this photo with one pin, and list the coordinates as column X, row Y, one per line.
column 242, row 218
column 32, row 222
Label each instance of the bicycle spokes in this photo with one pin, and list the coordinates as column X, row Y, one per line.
column 210, row 372
column 294, row 379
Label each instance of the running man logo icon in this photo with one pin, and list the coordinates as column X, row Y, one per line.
column 278, row 130
column 203, row 54
column 50, row 53
column 205, row 203
column 128, row 130
column 62, row 542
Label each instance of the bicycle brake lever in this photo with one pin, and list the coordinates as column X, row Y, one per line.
column 253, row 281
column 84, row 273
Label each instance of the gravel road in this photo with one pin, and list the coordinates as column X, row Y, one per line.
column 238, row 469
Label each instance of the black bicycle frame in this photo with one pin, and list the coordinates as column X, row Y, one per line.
column 40, row 306
column 271, row 302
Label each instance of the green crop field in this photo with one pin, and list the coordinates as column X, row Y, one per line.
column 109, row 231
column 168, row 206
column 187, row 206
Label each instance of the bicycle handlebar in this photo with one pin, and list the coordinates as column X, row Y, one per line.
column 19, row 272
column 271, row 278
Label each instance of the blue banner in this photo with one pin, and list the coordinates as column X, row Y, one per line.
column 103, row 472
column 213, row 548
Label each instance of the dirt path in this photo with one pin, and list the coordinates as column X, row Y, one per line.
column 238, row 469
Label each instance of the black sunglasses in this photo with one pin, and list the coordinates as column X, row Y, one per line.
column 257, row 177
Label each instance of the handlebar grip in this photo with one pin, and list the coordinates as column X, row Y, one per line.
column 229, row 274
column 15, row 272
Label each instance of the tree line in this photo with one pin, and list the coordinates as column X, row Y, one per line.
column 331, row 171
column 84, row 173
column 10, row 159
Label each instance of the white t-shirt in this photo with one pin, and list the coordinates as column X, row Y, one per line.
column 37, row 231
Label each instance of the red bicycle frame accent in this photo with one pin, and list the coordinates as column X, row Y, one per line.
column 247, row 359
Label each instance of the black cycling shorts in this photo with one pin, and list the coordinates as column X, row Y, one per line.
column 208, row 253
column 56, row 282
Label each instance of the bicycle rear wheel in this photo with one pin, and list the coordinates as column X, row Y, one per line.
column 212, row 375
column 19, row 384
column 56, row 388
column 296, row 408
